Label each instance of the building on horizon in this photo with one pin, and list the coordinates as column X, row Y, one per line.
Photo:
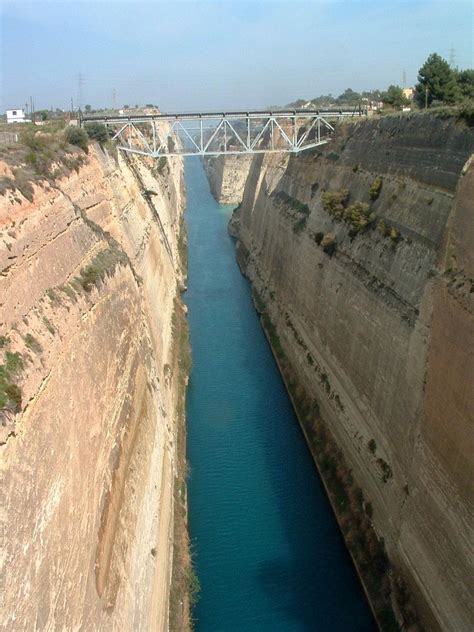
column 17, row 116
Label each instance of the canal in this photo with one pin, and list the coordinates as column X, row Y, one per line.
column 267, row 549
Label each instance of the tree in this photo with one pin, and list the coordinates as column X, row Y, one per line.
column 465, row 80
column 349, row 97
column 88, row 108
column 323, row 100
column 394, row 97
column 97, row 131
column 436, row 82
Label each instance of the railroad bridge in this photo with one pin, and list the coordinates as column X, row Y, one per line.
column 222, row 133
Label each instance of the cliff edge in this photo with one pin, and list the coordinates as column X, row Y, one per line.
column 360, row 258
column 93, row 337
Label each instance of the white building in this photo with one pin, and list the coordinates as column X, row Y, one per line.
column 16, row 116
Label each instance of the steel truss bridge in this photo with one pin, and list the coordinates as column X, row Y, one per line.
column 217, row 133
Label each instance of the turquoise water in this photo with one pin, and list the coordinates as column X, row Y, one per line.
column 267, row 549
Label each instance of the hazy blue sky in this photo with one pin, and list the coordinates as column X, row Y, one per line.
column 188, row 55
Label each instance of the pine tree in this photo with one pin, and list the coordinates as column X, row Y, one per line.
column 465, row 79
column 438, row 77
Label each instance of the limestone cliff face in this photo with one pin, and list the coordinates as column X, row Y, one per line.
column 360, row 256
column 227, row 177
column 89, row 305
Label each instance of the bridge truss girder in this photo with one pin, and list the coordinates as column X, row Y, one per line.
column 250, row 132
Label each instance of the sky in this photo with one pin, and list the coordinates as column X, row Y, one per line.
column 219, row 55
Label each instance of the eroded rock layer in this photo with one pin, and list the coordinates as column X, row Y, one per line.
column 360, row 257
column 89, row 308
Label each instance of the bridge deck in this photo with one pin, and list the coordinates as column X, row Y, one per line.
column 249, row 132
column 252, row 114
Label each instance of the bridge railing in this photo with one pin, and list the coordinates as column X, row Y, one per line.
column 215, row 133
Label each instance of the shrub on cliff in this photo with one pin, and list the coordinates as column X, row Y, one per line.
column 375, row 189
column 358, row 215
column 97, row 131
column 161, row 165
column 78, row 137
column 10, row 393
column 334, row 202
column 101, row 266
column 328, row 244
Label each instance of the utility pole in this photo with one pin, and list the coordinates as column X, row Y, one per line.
column 31, row 108
column 80, row 86
column 426, row 96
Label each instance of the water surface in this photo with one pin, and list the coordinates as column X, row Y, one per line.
column 267, row 549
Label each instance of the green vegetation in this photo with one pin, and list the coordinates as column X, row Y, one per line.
column 42, row 154
column 389, row 231
column 32, row 343
column 77, row 136
column 68, row 289
column 4, row 340
column 183, row 246
column 438, row 83
column 292, row 202
column 394, row 97
column 102, row 265
column 314, row 188
column 10, row 393
column 386, row 469
column 184, row 585
column 375, row 188
column 53, row 297
column 372, row 446
column 299, row 225
column 334, row 202
column 49, row 325
column 359, row 214
column 325, row 382
column 300, row 210
column 161, row 165
column 96, row 131
column 193, row 586
column 318, row 237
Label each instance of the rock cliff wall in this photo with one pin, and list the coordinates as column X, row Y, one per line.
column 227, row 177
column 360, row 257
column 92, row 386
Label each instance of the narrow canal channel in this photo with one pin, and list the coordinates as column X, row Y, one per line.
column 267, row 548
